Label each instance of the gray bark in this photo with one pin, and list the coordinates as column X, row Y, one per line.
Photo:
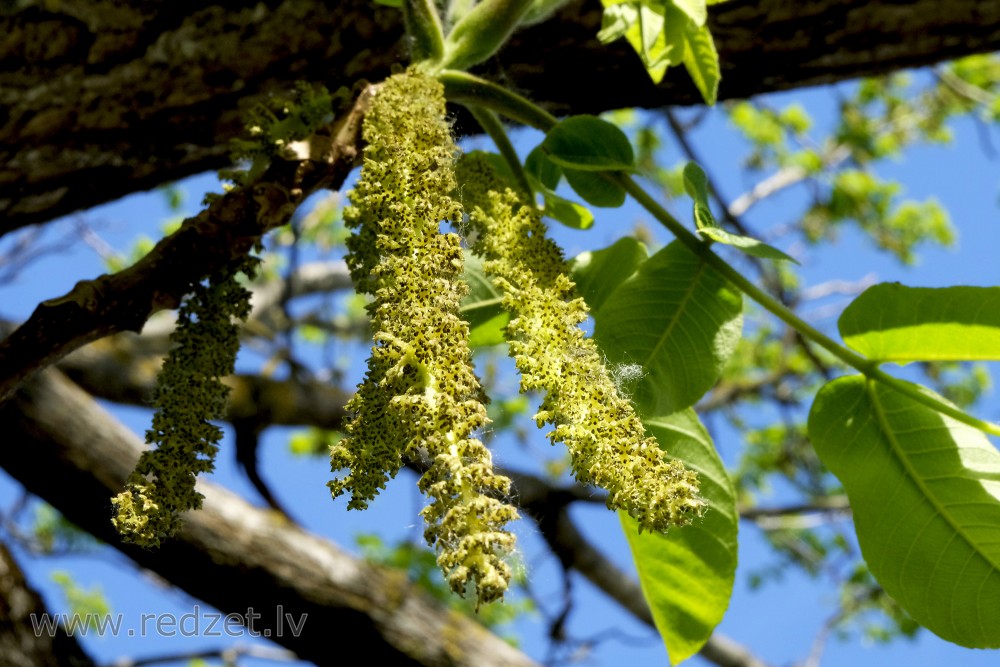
column 63, row 447
column 99, row 99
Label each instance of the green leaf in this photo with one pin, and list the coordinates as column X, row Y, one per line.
column 925, row 493
column 588, row 143
column 696, row 10
column 696, row 186
column 702, row 61
column 567, row 212
column 542, row 168
column 745, row 244
column 679, row 319
column 481, row 307
column 598, row 273
column 654, row 29
column 687, row 574
column 594, row 188
column 892, row 322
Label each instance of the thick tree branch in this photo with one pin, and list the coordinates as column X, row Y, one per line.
column 109, row 369
column 99, row 100
column 227, row 229
column 67, row 450
column 20, row 608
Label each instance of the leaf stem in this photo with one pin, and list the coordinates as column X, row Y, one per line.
column 491, row 124
column 472, row 90
column 469, row 89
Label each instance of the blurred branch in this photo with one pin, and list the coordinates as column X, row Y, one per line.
column 64, row 448
column 963, row 88
column 573, row 550
column 20, row 607
column 229, row 656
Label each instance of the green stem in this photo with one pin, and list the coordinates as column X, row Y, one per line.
column 481, row 32
column 469, row 89
column 867, row 367
column 491, row 124
column 423, row 26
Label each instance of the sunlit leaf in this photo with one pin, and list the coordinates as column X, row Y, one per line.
column 892, row 322
column 925, row 493
column 696, row 186
column 702, row 61
column 746, row 244
column 696, row 10
column 687, row 574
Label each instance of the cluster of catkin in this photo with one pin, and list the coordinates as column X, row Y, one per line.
column 420, row 399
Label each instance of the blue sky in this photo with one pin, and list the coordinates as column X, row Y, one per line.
column 778, row 622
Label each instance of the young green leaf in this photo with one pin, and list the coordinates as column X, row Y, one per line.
column 745, row 244
column 696, row 10
column 687, row 574
column 702, row 61
column 588, row 143
column 926, row 501
column 480, row 32
column 423, row 27
column 892, row 322
column 677, row 318
column 597, row 274
column 696, row 186
column 654, row 29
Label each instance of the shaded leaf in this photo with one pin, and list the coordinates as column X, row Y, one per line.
column 597, row 274
column 594, row 188
column 588, row 143
column 542, row 168
column 677, row 318
column 481, row 307
column 925, row 492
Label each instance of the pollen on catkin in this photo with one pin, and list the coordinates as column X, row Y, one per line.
column 189, row 392
column 420, row 399
column 605, row 438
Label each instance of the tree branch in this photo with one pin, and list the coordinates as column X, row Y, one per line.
column 20, row 643
column 67, row 450
column 98, row 101
column 574, row 551
column 229, row 228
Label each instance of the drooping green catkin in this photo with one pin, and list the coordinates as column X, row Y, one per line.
column 605, row 438
column 420, row 397
column 189, row 392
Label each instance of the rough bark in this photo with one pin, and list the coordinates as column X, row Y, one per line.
column 99, row 99
column 66, row 449
column 20, row 644
column 224, row 231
